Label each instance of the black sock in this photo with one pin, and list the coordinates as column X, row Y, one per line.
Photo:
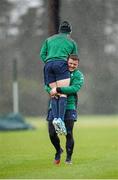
column 62, row 107
column 53, row 137
column 56, row 142
column 54, row 105
column 69, row 145
column 69, row 138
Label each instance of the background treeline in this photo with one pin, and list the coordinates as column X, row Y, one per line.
column 24, row 24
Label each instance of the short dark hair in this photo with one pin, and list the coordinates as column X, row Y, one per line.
column 65, row 27
column 74, row 57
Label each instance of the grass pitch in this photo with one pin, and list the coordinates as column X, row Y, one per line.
column 29, row 154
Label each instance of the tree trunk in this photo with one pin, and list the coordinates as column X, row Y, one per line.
column 54, row 20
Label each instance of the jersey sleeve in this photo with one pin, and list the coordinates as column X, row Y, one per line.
column 74, row 87
column 75, row 48
column 43, row 52
column 47, row 88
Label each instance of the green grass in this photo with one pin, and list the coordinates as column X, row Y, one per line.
column 29, row 154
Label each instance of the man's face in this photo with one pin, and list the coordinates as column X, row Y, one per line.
column 72, row 64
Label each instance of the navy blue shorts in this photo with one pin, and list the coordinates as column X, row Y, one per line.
column 69, row 115
column 56, row 70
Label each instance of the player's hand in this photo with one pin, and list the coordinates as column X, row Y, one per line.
column 53, row 91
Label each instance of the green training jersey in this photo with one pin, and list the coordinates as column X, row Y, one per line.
column 76, row 82
column 58, row 47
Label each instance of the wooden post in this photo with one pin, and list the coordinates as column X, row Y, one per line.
column 15, row 88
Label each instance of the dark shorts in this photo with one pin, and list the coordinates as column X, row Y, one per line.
column 55, row 70
column 69, row 115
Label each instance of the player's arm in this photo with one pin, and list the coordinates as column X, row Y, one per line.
column 75, row 48
column 43, row 52
column 47, row 88
column 74, row 87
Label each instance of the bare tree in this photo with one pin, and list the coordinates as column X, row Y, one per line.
column 54, row 19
